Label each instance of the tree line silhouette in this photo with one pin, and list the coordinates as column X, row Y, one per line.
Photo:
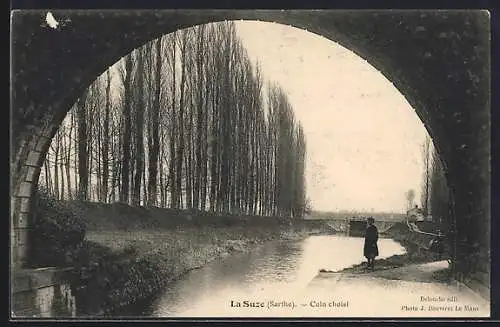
column 187, row 122
column 434, row 188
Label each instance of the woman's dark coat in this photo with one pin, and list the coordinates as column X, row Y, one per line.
column 370, row 249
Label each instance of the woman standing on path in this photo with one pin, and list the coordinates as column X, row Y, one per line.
column 370, row 249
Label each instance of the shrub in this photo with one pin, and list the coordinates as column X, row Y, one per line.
column 57, row 232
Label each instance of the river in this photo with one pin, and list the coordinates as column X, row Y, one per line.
column 280, row 279
column 277, row 269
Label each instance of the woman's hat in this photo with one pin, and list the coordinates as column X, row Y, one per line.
column 370, row 219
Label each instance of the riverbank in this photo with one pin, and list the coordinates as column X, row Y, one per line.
column 137, row 251
column 414, row 255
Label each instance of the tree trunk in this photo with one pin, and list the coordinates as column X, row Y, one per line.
column 139, row 131
column 125, row 163
column 180, row 147
column 68, row 158
column 83, row 173
column 106, row 140
column 154, row 121
column 174, row 195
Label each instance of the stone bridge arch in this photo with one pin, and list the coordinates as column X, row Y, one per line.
column 439, row 60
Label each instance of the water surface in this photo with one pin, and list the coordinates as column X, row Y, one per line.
column 279, row 269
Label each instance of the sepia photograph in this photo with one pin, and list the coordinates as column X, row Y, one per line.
column 250, row 163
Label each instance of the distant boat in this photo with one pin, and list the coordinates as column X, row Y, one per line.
column 415, row 215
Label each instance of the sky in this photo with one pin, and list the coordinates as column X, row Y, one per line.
column 364, row 140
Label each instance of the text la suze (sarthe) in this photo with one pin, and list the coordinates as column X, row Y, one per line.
column 247, row 304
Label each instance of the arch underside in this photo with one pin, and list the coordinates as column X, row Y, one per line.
column 438, row 60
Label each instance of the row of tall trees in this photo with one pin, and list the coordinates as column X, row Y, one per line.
column 186, row 121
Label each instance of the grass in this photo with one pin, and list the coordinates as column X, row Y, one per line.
column 119, row 216
column 182, row 250
column 186, row 244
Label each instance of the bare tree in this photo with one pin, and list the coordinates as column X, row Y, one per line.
column 127, row 108
column 410, row 196
column 68, row 160
column 154, row 141
column 426, row 154
column 83, row 171
column 174, row 193
column 106, row 141
column 139, row 129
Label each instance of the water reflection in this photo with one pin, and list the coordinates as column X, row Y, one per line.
column 50, row 301
column 275, row 270
column 69, row 299
column 44, row 301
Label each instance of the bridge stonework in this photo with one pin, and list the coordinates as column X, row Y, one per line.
column 438, row 60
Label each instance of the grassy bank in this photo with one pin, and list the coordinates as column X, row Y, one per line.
column 412, row 242
column 129, row 253
column 140, row 263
